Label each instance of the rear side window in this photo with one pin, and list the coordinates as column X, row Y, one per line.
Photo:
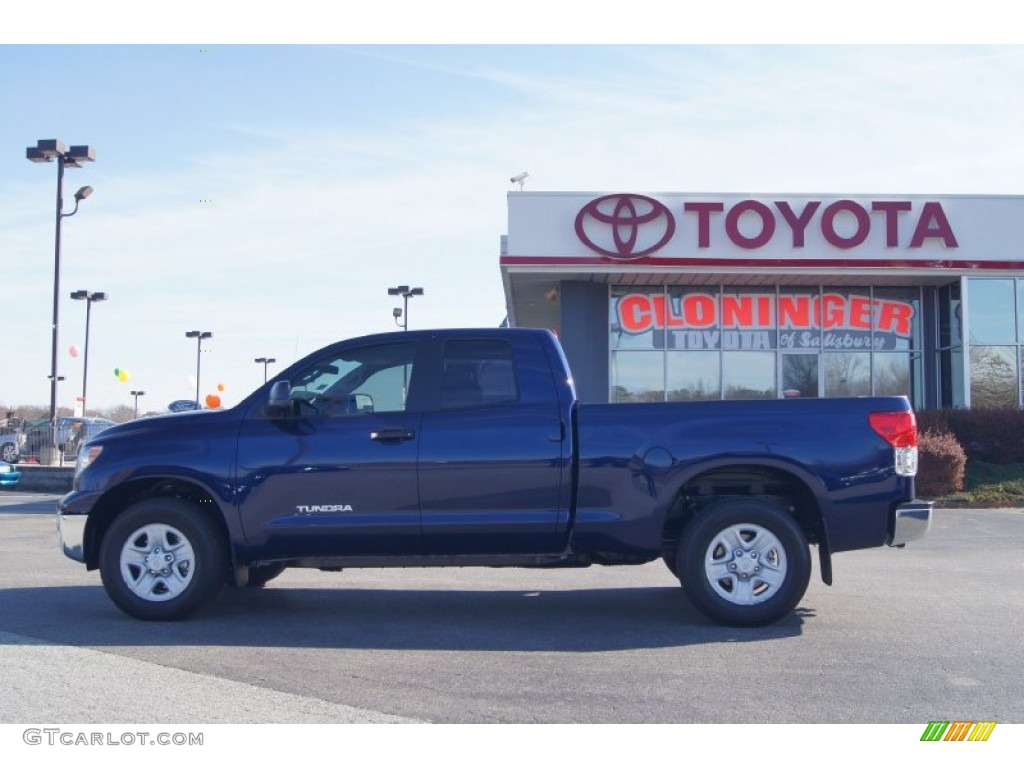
column 478, row 372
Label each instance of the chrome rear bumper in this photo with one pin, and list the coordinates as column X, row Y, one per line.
column 910, row 521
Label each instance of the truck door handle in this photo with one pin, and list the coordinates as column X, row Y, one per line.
column 392, row 435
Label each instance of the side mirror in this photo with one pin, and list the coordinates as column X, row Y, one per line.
column 362, row 403
column 279, row 403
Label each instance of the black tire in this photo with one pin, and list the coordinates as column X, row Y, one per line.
column 744, row 562
column 163, row 559
column 9, row 453
column 261, row 574
column 670, row 563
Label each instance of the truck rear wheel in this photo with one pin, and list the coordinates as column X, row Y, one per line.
column 744, row 562
column 163, row 559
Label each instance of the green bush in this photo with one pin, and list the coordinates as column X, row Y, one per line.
column 941, row 464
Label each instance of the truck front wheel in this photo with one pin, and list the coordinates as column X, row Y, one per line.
column 744, row 562
column 162, row 559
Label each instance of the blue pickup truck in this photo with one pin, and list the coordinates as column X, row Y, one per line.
column 469, row 448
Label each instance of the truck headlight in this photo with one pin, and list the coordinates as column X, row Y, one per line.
column 87, row 456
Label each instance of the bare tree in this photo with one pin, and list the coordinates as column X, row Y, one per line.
column 993, row 377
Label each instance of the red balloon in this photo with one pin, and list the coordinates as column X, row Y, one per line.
column 212, row 401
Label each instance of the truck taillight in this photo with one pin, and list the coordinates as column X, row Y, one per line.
column 899, row 429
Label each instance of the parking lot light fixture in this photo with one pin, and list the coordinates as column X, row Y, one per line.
column 89, row 297
column 266, row 361
column 198, row 336
column 48, row 151
column 401, row 315
column 137, row 393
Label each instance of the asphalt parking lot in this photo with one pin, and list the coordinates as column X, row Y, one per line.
column 905, row 636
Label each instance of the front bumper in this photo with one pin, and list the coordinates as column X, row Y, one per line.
column 71, row 535
column 910, row 521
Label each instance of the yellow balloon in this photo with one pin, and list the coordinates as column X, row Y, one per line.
column 123, row 375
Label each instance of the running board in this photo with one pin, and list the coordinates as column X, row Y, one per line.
column 560, row 560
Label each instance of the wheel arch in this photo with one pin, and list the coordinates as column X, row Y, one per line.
column 120, row 498
column 791, row 488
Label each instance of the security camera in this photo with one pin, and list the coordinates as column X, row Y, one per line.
column 519, row 178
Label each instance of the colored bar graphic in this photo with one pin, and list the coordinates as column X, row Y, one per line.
column 982, row 731
column 958, row 730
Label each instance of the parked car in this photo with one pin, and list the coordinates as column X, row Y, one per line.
column 8, row 474
column 72, row 432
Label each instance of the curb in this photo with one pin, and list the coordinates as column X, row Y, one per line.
column 37, row 479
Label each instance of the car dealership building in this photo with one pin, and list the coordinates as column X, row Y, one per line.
column 725, row 296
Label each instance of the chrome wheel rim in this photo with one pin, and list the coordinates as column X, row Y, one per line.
column 745, row 564
column 157, row 562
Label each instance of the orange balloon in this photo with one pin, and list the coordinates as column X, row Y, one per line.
column 212, row 401
column 220, row 387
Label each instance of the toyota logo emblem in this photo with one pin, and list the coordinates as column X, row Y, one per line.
column 625, row 226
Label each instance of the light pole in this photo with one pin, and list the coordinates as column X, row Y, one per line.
column 402, row 315
column 266, row 361
column 198, row 336
column 137, row 393
column 89, row 297
column 46, row 151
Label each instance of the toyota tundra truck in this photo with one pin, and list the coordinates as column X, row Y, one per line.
column 470, row 448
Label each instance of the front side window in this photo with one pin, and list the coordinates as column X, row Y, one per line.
column 638, row 377
column 799, row 375
column 994, row 377
column 637, row 318
column 693, row 376
column 897, row 374
column 748, row 375
column 991, row 312
column 715, row 342
column 370, row 379
column 847, row 374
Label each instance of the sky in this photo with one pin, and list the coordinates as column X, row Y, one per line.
column 271, row 193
